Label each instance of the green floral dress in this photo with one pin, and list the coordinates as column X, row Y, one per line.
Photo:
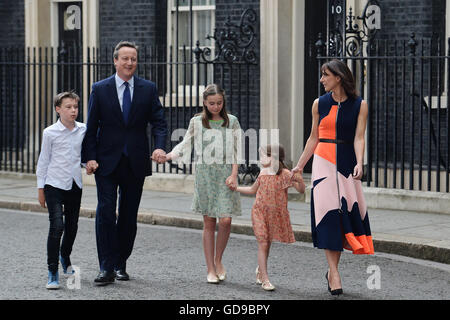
column 216, row 150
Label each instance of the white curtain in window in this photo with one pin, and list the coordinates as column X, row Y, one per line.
column 203, row 24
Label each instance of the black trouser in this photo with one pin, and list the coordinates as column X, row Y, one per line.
column 64, row 210
column 115, row 235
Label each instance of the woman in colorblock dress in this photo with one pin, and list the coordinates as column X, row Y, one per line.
column 339, row 218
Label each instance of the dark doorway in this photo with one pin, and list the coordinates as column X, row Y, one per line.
column 70, row 22
column 70, row 46
column 315, row 23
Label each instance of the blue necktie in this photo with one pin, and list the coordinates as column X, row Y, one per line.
column 126, row 104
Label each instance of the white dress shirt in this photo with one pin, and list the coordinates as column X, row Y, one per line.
column 60, row 158
column 120, row 86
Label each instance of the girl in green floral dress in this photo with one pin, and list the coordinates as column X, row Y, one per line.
column 215, row 136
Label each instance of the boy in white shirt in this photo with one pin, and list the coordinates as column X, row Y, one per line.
column 59, row 183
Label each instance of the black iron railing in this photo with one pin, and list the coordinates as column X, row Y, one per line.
column 406, row 85
column 31, row 77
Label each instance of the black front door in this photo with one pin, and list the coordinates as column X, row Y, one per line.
column 70, row 46
column 70, row 22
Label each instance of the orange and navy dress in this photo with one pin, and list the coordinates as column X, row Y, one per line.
column 339, row 218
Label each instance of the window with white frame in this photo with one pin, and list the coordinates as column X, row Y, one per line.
column 190, row 21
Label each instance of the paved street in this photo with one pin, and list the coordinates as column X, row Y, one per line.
column 168, row 263
column 421, row 235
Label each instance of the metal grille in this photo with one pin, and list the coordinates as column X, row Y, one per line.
column 31, row 77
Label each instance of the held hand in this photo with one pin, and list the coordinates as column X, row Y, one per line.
column 297, row 177
column 295, row 171
column 231, row 182
column 91, row 166
column 89, row 171
column 232, row 187
column 358, row 172
column 159, row 156
column 297, row 181
column 41, row 198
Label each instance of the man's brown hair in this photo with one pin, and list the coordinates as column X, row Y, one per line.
column 122, row 44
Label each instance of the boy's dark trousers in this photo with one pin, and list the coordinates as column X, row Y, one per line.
column 61, row 203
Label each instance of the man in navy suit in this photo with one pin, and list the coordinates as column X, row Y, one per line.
column 116, row 148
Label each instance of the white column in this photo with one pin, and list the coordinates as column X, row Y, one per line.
column 282, row 72
column 31, row 23
column 298, row 80
column 286, row 73
column 269, row 64
column 91, row 28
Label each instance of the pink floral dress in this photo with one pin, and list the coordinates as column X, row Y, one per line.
column 270, row 215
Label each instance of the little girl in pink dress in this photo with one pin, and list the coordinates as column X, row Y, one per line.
column 270, row 215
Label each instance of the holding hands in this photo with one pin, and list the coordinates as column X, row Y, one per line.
column 91, row 167
column 231, row 182
column 297, row 169
column 297, row 179
column 297, row 174
column 159, row 156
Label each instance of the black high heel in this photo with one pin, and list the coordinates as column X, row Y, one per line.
column 335, row 292
column 328, row 282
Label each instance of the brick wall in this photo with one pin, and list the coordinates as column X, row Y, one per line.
column 142, row 21
column 400, row 18
column 12, row 22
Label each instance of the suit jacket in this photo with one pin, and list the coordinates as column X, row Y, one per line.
column 107, row 133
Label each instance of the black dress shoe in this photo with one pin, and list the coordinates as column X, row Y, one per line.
column 105, row 277
column 335, row 292
column 122, row 275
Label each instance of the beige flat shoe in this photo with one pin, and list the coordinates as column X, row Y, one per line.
column 222, row 276
column 258, row 281
column 212, row 279
column 268, row 286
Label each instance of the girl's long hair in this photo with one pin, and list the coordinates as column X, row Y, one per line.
column 212, row 90
column 340, row 69
column 277, row 152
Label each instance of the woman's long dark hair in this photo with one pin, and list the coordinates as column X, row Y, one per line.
column 212, row 90
column 340, row 69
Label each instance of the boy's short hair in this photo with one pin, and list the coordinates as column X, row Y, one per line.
column 63, row 95
column 122, row 44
